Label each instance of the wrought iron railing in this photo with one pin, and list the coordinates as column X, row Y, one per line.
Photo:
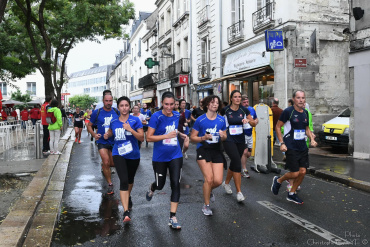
column 203, row 16
column 235, row 32
column 179, row 67
column 204, row 71
column 263, row 16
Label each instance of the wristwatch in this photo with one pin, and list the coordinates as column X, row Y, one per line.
column 281, row 143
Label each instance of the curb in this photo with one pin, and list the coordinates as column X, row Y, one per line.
column 336, row 177
column 39, row 203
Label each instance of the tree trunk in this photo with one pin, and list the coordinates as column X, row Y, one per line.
column 49, row 88
column 2, row 9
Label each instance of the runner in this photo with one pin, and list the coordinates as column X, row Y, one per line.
column 147, row 113
column 184, row 127
column 236, row 116
column 296, row 127
column 166, row 152
column 197, row 112
column 127, row 131
column 77, row 119
column 102, row 118
column 177, row 106
column 136, row 113
column 207, row 131
column 248, row 137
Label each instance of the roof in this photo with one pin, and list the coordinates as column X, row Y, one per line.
column 89, row 71
column 142, row 16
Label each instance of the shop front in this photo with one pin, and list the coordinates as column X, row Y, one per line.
column 250, row 70
column 135, row 99
column 149, row 97
column 180, row 87
column 161, row 89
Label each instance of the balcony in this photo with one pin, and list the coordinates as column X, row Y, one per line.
column 203, row 16
column 163, row 75
column 179, row 67
column 264, row 17
column 146, row 81
column 204, row 71
column 235, row 32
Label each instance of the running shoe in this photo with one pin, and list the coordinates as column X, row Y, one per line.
column 129, row 203
column 227, row 188
column 46, row 152
column 240, row 197
column 126, row 216
column 212, row 197
column 294, row 198
column 245, row 174
column 112, row 170
column 76, row 140
column 185, row 155
column 79, row 141
column 275, row 185
column 289, row 187
column 206, row 210
column 110, row 189
column 51, row 152
column 173, row 223
column 149, row 193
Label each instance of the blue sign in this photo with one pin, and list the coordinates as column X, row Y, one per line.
column 274, row 40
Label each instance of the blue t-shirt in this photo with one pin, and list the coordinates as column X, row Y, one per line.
column 247, row 127
column 103, row 123
column 125, row 143
column 169, row 149
column 234, row 123
column 295, row 124
column 147, row 114
column 203, row 125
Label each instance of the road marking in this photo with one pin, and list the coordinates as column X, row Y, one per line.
column 332, row 238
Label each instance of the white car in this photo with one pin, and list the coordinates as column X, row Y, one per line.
column 335, row 132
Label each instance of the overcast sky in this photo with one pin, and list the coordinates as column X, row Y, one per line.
column 83, row 55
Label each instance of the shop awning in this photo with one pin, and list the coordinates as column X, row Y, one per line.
column 216, row 80
column 253, row 72
column 147, row 100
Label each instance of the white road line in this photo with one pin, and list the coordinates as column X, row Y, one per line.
column 334, row 239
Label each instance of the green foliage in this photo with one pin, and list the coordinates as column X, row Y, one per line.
column 21, row 97
column 83, row 101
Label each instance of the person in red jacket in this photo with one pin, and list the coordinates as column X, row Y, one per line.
column 45, row 125
column 35, row 114
column 14, row 114
column 25, row 115
column 4, row 116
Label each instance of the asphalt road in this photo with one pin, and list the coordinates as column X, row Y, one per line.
column 332, row 214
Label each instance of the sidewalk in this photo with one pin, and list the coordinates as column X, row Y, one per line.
column 340, row 168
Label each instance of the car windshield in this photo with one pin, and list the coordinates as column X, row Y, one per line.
column 345, row 113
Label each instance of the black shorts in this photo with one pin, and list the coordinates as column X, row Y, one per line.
column 145, row 128
column 78, row 124
column 105, row 146
column 296, row 159
column 210, row 155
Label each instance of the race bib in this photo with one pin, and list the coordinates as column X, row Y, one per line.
column 299, row 135
column 170, row 142
column 235, row 130
column 78, row 119
column 184, row 128
column 125, row 148
column 106, row 129
column 215, row 138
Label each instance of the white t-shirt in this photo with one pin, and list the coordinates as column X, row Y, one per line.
column 141, row 116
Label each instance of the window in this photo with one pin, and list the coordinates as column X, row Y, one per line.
column 262, row 3
column 168, row 20
column 237, row 10
column 161, row 27
column 31, row 88
column 3, row 88
column 205, row 45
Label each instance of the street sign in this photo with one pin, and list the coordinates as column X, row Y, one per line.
column 300, row 62
column 150, row 63
column 183, row 79
column 65, row 94
column 274, row 40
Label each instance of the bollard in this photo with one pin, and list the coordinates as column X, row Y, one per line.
column 269, row 153
column 37, row 141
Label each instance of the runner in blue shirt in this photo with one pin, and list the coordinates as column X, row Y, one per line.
column 127, row 131
column 236, row 116
column 166, row 152
column 148, row 114
column 296, row 128
column 208, row 131
column 102, row 118
column 248, row 136
column 184, row 126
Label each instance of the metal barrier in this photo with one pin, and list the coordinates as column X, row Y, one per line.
column 37, row 141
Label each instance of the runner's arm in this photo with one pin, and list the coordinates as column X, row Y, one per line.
column 311, row 136
column 196, row 139
column 90, row 130
column 279, row 136
column 150, row 137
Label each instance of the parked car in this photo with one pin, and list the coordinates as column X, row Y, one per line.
column 335, row 132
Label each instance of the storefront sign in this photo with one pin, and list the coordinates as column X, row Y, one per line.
column 300, row 62
column 164, row 85
column 274, row 40
column 148, row 94
column 251, row 57
column 183, row 79
column 204, row 87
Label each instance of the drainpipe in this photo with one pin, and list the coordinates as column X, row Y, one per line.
column 220, row 65
column 190, row 53
column 286, row 76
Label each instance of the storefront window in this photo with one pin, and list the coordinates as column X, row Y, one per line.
column 259, row 88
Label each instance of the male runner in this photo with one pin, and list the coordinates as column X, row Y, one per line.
column 148, row 114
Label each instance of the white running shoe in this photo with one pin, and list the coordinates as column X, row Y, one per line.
column 240, row 197
column 227, row 188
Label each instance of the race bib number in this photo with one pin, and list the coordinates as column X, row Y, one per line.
column 170, row 142
column 78, row 119
column 299, row 135
column 235, row 130
column 215, row 138
column 125, row 148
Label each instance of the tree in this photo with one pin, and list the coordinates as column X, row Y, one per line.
column 21, row 97
column 84, row 101
column 2, row 8
column 54, row 27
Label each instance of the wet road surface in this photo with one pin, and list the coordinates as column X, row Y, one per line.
column 91, row 218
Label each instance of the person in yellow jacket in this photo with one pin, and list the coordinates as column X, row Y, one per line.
column 55, row 128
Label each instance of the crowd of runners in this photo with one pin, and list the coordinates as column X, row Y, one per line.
column 120, row 130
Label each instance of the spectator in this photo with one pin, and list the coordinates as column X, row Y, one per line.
column 4, row 116
column 276, row 112
column 14, row 114
column 45, row 141
column 55, row 128
column 25, row 115
column 35, row 114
